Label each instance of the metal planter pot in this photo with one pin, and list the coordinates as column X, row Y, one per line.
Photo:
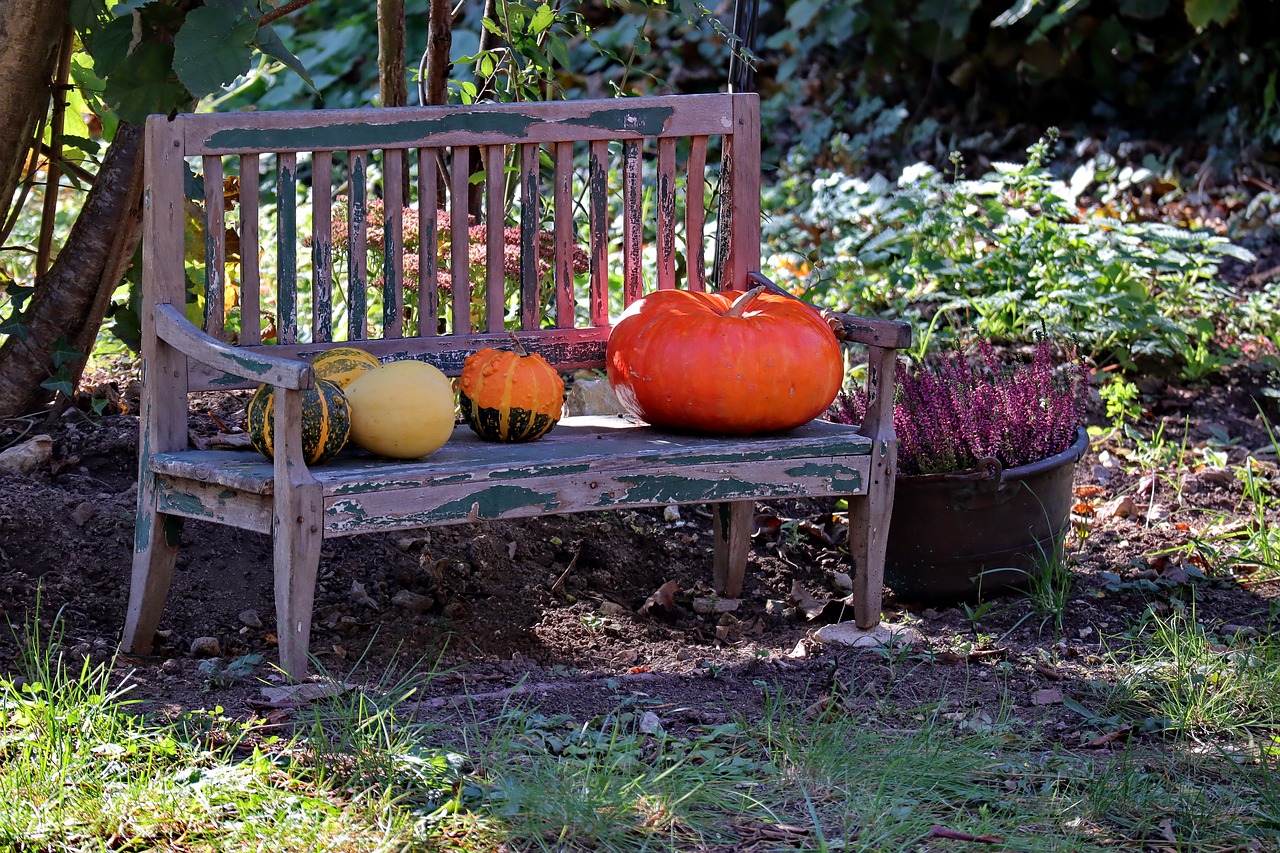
column 958, row 537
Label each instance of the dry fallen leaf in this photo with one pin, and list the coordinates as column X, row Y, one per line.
column 662, row 604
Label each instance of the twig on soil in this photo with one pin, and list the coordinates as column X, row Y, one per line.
column 558, row 586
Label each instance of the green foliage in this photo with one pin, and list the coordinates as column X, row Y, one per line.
column 158, row 57
column 1009, row 255
column 1199, row 68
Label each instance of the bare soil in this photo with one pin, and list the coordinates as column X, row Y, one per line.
column 552, row 611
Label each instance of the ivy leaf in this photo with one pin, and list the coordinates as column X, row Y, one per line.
column 1201, row 13
column 271, row 45
column 124, row 8
column 144, row 84
column 60, row 381
column 64, row 353
column 109, row 45
column 542, row 20
column 213, row 48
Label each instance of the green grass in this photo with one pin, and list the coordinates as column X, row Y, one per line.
column 82, row 769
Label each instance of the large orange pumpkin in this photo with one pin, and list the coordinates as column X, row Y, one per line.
column 705, row 362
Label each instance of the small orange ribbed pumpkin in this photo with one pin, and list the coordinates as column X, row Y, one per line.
column 509, row 395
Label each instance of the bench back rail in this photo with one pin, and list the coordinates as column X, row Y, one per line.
column 296, row 286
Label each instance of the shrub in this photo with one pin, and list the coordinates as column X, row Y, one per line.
column 954, row 412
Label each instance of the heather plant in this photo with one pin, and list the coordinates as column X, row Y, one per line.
column 957, row 410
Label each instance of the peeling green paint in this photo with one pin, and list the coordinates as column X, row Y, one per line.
column 842, row 477
column 648, row 122
column 391, row 485
column 672, row 488
column 352, row 136
column 493, row 502
column 182, row 503
column 541, row 471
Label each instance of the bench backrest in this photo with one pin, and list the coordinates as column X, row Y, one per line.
column 612, row 198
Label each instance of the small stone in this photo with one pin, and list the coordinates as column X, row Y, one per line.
column 412, row 601
column 1244, row 632
column 82, row 514
column 842, row 581
column 929, row 613
column 671, row 514
column 206, row 647
column 1085, row 632
column 612, row 608
column 171, row 666
column 33, row 453
column 250, row 618
column 650, row 723
column 884, row 634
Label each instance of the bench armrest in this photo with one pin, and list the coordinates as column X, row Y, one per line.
column 871, row 331
column 173, row 327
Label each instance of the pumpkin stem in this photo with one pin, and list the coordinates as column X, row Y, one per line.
column 740, row 304
column 515, row 344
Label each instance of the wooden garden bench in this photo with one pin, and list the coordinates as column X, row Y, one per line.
column 276, row 278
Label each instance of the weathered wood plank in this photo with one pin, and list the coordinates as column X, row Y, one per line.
column 666, row 214
column 322, row 246
column 480, row 124
column 358, row 248
column 696, row 213
column 444, row 503
column 564, row 239
column 163, row 422
column 393, row 243
column 428, row 242
column 459, row 241
column 212, row 502
column 250, row 268
column 632, row 223
column 568, row 349
column 743, row 254
column 253, row 365
column 495, row 301
column 598, row 188
column 286, row 248
column 530, row 225
column 581, row 445
column 215, row 249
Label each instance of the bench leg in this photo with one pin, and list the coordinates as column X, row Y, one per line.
column 869, row 533
column 296, row 538
column 155, row 552
column 732, row 532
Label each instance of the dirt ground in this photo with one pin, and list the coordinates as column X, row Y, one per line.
column 550, row 612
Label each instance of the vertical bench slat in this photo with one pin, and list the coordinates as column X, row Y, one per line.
column 495, row 300
column 215, row 247
column 250, row 274
column 428, row 282
column 695, row 213
column 564, row 241
column 459, row 239
column 287, row 248
column 322, row 246
column 358, row 249
column 666, row 213
column 598, row 180
column 530, row 287
column 744, row 229
column 632, row 223
column 393, row 242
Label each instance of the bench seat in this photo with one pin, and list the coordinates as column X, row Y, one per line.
column 585, row 463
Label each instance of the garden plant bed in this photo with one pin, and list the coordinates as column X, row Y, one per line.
column 551, row 611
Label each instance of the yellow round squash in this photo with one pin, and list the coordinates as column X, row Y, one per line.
column 402, row 410
column 343, row 365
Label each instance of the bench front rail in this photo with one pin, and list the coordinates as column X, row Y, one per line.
column 332, row 227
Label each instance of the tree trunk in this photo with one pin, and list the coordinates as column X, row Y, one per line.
column 439, row 45
column 72, row 299
column 393, row 84
column 30, row 31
